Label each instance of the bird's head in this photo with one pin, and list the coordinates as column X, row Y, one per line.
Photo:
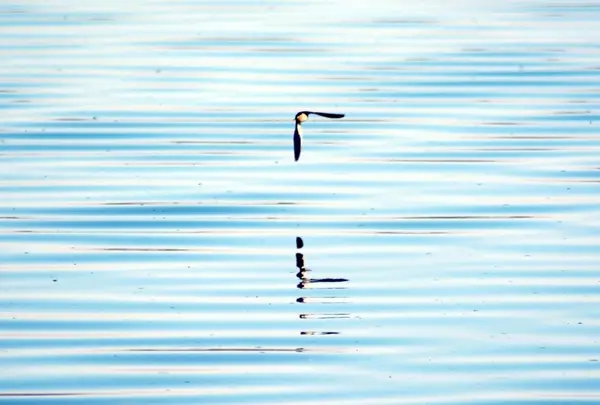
column 301, row 116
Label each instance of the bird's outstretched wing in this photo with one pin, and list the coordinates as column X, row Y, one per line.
column 297, row 145
column 327, row 115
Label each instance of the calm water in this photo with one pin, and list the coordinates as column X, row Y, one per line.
column 150, row 204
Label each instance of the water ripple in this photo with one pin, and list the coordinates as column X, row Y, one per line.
column 158, row 244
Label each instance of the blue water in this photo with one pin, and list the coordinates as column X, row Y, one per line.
column 150, row 203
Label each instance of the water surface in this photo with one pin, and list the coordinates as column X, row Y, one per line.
column 150, row 204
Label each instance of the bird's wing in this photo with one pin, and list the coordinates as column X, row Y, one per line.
column 297, row 145
column 327, row 115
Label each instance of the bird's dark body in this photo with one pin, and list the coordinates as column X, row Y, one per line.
column 297, row 143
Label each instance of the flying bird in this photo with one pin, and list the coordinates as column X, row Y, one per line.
column 300, row 118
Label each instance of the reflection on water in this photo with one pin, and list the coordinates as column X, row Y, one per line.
column 149, row 201
column 306, row 282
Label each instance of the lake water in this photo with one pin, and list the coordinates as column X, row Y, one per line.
column 150, row 205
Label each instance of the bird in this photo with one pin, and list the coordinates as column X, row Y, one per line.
column 300, row 118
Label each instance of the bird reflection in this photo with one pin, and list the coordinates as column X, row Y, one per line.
column 306, row 281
